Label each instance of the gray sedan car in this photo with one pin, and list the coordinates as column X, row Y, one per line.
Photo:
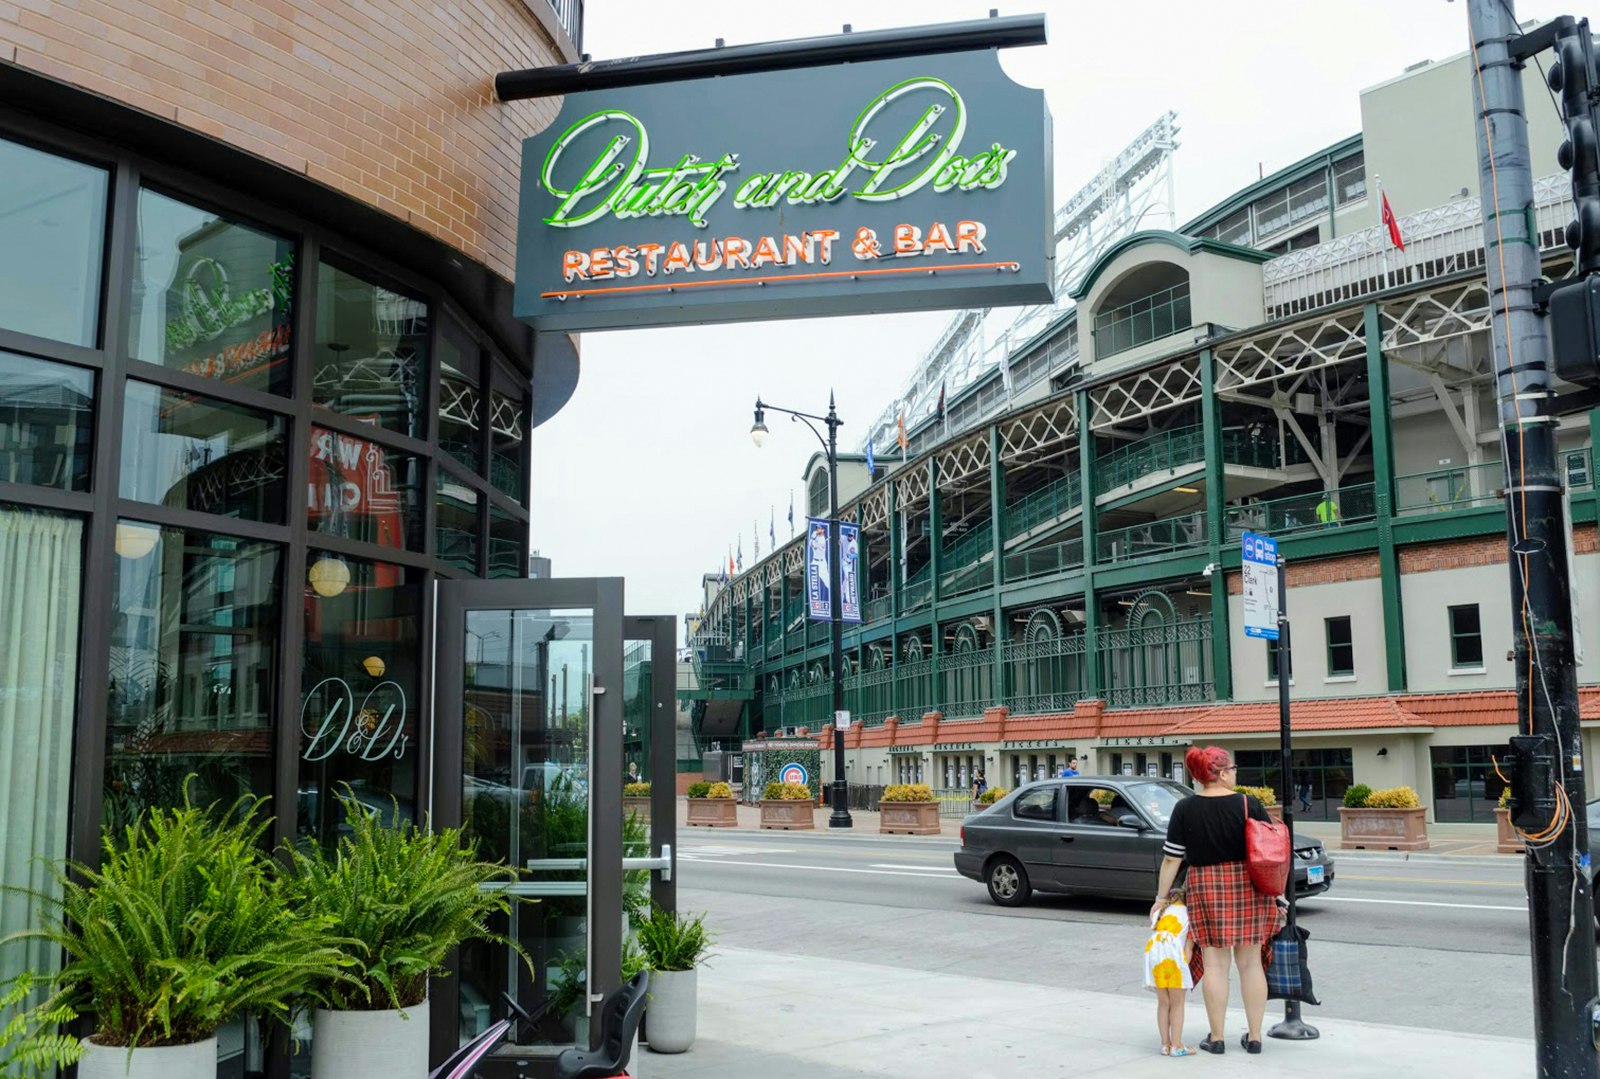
column 1092, row 835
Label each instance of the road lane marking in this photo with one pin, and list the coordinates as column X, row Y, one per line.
column 923, row 873
column 917, row 868
column 1407, row 903
column 1438, row 880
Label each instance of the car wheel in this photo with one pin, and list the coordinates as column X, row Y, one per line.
column 1008, row 882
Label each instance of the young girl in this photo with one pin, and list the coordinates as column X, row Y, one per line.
column 1166, row 971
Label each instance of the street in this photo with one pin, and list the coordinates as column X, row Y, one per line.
column 1395, row 942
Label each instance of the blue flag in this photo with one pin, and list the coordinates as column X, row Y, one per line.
column 791, row 512
column 772, row 526
column 872, row 467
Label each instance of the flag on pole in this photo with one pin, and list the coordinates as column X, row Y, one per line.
column 755, row 538
column 872, row 466
column 1393, row 224
column 900, row 422
column 741, row 552
column 772, row 526
column 731, row 570
column 940, row 407
column 791, row 513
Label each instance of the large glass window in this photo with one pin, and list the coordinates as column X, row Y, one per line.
column 1465, row 786
column 194, row 668
column 1321, row 776
column 506, row 535
column 360, row 691
column 460, row 395
column 41, row 565
column 52, row 234
column 1341, row 647
column 1466, row 637
column 46, row 417
column 191, row 452
column 211, row 296
column 371, row 352
column 509, row 467
column 364, row 491
column 1350, row 179
column 455, row 525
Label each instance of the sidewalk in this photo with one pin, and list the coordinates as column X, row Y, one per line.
column 782, row 1016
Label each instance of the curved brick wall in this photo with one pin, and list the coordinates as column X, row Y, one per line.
column 387, row 101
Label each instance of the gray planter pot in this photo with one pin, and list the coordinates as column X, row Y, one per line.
column 671, row 1011
column 197, row 1060
column 370, row 1045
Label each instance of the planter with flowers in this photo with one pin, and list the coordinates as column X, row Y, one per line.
column 788, row 806
column 989, row 797
column 711, row 805
column 636, row 800
column 908, row 809
column 1391, row 819
column 1267, row 797
column 1507, row 839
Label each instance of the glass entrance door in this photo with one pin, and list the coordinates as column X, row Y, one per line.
column 528, row 758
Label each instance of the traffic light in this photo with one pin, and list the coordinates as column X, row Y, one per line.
column 1572, row 75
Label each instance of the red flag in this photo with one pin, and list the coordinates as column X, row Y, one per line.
column 1394, row 225
column 941, row 400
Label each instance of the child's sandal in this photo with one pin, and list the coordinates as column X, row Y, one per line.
column 1166, row 1050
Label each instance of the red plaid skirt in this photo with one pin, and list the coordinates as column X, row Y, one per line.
column 1225, row 909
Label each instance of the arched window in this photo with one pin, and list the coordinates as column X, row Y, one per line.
column 817, row 492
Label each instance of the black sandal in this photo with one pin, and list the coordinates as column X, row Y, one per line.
column 1214, row 1045
column 1249, row 1046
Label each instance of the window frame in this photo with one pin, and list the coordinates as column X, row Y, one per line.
column 1349, row 643
column 1458, row 636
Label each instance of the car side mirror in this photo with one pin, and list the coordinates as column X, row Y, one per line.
column 1131, row 820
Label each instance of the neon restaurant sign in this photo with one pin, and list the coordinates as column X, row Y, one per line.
column 885, row 186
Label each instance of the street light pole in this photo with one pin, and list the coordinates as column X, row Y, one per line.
column 840, row 817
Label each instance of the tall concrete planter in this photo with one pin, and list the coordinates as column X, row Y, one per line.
column 670, row 1015
column 640, row 806
column 1507, row 841
column 197, row 1060
column 1363, row 828
column 713, row 812
column 788, row 814
column 386, row 1044
column 908, row 818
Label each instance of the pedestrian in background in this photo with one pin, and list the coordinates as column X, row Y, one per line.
column 979, row 785
column 1071, row 768
column 1167, row 955
column 1226, row 913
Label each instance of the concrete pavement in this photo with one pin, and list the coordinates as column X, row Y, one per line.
column 787, row 1016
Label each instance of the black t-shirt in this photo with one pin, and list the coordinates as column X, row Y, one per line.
column 1209, row 831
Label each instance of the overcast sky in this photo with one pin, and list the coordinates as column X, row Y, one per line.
column 649, row 473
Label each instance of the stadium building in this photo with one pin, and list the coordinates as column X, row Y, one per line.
column 1053, row 564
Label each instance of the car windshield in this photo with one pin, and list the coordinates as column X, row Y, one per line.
column 1156, row 799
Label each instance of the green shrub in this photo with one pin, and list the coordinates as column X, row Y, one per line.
column 991, row 795
column 786, row 792
column 185, row 927
column 1355, row 797
column 1505, row 799
column 31, row 1046
column 1393, row 798
column 674, row 941
column 406, row 897
column 636, row 790
column 907, row 792
column 720, row 790
column 701, row 789
column 1265, row 795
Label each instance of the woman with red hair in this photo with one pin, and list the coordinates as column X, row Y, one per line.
column 1226, row 913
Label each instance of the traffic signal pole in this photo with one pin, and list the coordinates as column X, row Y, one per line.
column 1547, row 784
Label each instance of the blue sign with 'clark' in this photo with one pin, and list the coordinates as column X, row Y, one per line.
column 1260, row 565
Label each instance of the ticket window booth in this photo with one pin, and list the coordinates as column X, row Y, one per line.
column 1154, row 764
column 539, row 686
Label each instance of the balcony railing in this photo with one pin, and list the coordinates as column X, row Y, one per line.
column 973, row 545
column 1300, row 513
column 917, row 591
column 1164, row 664
column 966, row 684
column 1444, row 489
column 1152, row 538
column 570, row 14
column 969, row 578
column 1050, row 502
column 1044, row 561
column 1045, row 676
column 1168, row 451
column 1149, row 318
column 879, row 609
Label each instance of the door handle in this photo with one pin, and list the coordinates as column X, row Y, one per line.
column 1068, row 838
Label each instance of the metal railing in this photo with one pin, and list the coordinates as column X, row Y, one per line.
column 1149, row 318
column 969, row 578
column 878, row 609
column 870, row 696
column 1446, row 489
column 966, row 683
column 1160, row 452
column 953, row 802
column 1169, row 663
column 1301, row 513
column 1043, row 561
column 569, row 13
column 1045, row 676
column 918, row 591
column 1055, row 499
column 1152, row 537
column 973, row 545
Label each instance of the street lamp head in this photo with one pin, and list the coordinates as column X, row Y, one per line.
column 758, row 430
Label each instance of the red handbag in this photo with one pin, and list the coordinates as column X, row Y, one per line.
column 1267, row 851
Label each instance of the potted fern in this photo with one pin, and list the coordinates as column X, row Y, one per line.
column 404, row 899
column 674, row 945
column 183, row 928
column 31, row 1044
column 908, row 809
column 788, row 806
column 711, row 805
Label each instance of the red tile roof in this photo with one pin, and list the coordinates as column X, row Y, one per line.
column 1337, row 714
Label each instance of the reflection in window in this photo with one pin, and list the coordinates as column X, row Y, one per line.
column 210, row 296
column 194, row 665
column 360, row 695
column 508, row 468
column 46, row 418
column 191, row 452
column 364, row 491
column 455, row 525
column 371, row 352
column 1465, row 784
column 52, row 229
column 506, row 534
column 460, row 396
column 41, row 563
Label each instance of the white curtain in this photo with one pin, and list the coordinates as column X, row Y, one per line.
column 40, row 582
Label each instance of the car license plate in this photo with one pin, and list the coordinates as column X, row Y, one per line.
column 1314, row 874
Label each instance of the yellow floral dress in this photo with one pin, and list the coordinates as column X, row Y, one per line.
column 1164, row 967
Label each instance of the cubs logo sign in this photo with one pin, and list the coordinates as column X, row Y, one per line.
column 794, row 773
